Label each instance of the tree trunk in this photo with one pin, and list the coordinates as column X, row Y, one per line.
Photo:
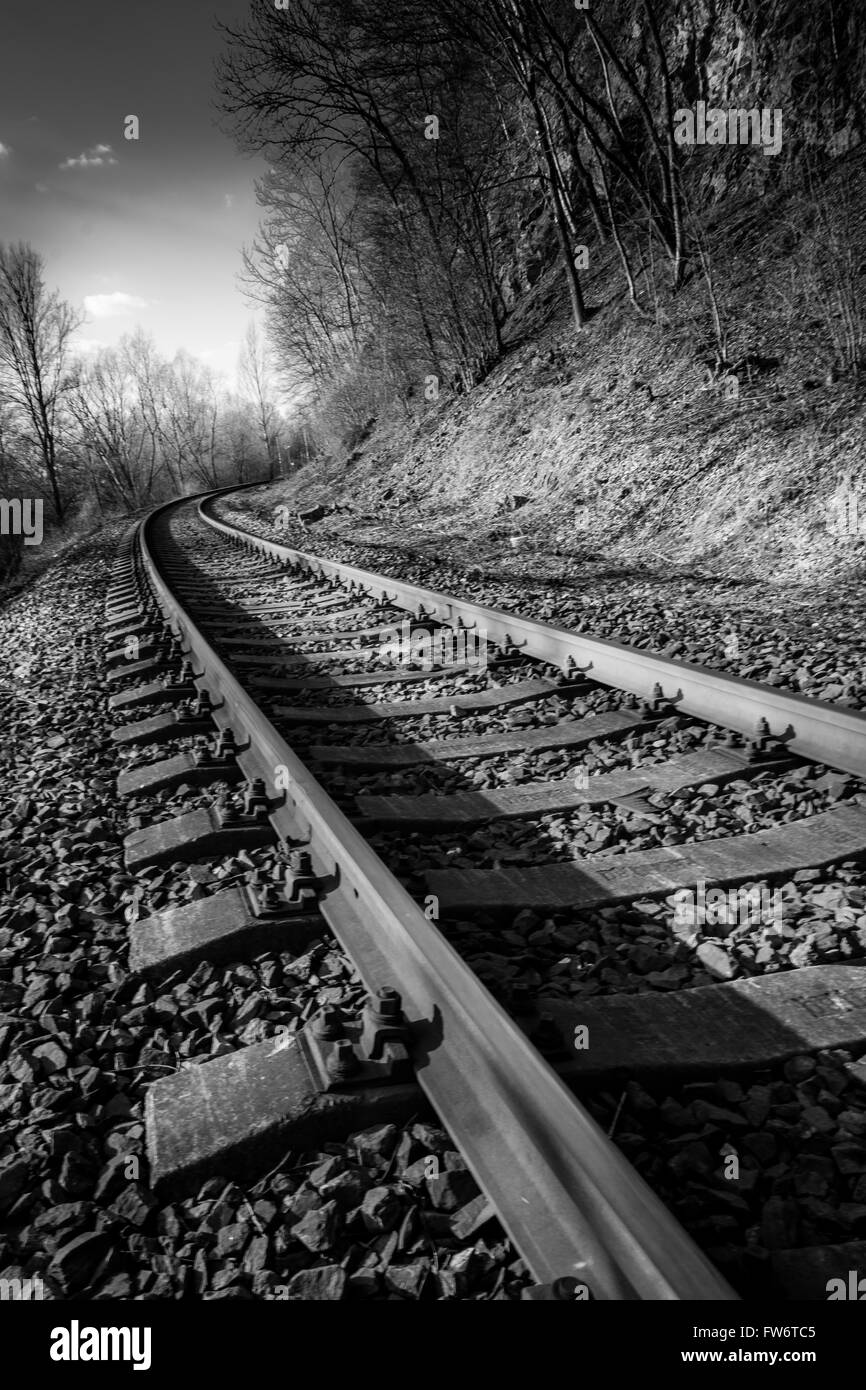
column 575, row 294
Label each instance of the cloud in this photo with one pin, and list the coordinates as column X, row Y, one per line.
column 112, row 306
column 4, row 151
column 229, row 200
column 41, row 187
column 91, row 159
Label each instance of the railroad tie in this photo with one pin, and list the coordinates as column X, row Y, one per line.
column 227, row 926
column 183, row 769
column 253, row 610
column 195, row 835
column 500, row 698
column 755, row 1022
column 394, row 675
column 239, row 1114
column 154, row 693
column 535, row 798
column 224, row 624
column 567, row 734
column 822, row 839
column 301, row 639
column 161, row 728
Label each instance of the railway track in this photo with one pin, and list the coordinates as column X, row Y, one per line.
column 471, row 801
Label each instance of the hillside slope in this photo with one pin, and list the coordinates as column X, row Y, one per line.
column 619, row 440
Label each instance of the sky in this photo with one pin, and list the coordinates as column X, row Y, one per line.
column 145, row 232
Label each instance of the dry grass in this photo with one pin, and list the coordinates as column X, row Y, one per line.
column 623, row 421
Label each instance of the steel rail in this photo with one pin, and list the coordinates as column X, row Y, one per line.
column 568, row 1198
column 811, row 728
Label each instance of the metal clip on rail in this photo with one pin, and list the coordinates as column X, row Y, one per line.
column 372, row 1052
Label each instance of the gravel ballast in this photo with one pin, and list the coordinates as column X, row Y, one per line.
column 387, row 1214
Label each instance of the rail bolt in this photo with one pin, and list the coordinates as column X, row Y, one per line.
column 256, row 799
column 183, row 676
column 759, row 744
column 227, row 813
column 387, row 1003
column 225, row 744
column 328, row 1023
column 383, row 1025
column 202, row 753
column 269, row 901
column 342, row 1063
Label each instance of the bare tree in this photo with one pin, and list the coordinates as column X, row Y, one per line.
column 113, row 432
column 254, row 377
column 191, row 420
column 294, row 88
column 152, row 376
column 35, row 330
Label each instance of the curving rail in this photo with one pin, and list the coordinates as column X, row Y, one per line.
column 570, row 1201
